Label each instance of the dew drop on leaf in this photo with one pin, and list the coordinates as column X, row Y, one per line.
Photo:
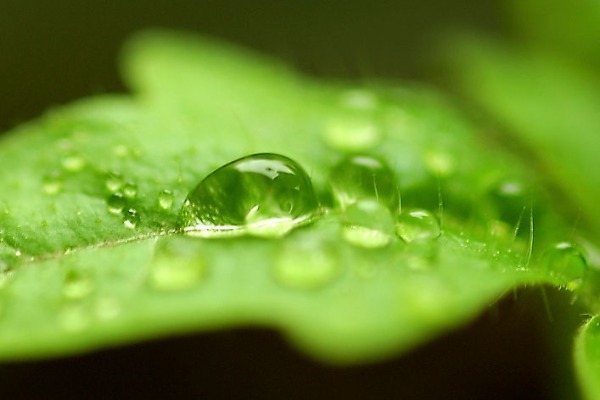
column 115, row 203
column 113, row 181
column 131, row 218
column 417, row 225
column 566, row 262
column 52, row 183
column 72, row 162
column 77, row 284
column 165, row 199
column 262, row 195
column 306, row 263
column 366, row 191
column 130, row 190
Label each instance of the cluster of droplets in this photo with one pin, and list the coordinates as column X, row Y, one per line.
column 122, row 195
column 269, row 195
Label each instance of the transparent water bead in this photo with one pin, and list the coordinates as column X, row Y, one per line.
column 366, row 191
column 417, row 225
column 566, row 261
column 166, row 199
column 262, row 195
column 362, row 177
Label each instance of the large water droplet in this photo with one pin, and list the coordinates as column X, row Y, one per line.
column 176, row 266
column 307, row 262
column 166, row 199
column 417, row 225
column 262, row 194
column 566, row 262
column 366, row 191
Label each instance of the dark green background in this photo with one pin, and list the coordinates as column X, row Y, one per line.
column 54, row 52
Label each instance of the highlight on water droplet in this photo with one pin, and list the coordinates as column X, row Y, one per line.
column 566, row 262
column 131, row 218
column 417, row 225
column 130, row 190
column 116, row 203
column 352, row 133
column 366, row 191
column 166, row 199
column 264, row 195
column 306, row 262
column 177, row 265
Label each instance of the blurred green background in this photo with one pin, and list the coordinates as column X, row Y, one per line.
column 54, row 52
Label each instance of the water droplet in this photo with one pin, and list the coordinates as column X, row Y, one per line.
column 306, row 263
column 510, row 200
column 113, row 182
column 115, row 203
column 52, row 183
column 130, row 190
column 166, row 199
column 176, row 266
column 72, row 162
column 360, row 178
column 566, row 262
column 131, row 218
column 77, row 284
column 368, row 224
column 417, row 225
column 263, row 194
column 365, row 189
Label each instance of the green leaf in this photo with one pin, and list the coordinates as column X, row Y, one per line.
column 91, row 252
column 587, row 358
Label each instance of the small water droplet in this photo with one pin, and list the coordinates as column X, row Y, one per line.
column 166, row 199
column 18, row 253
column 417, row 225
column 116, row 203
column 131, row 218
column 362, row 177
column 263, row 194
column 113, row 181
column 130, row 190
column 77, row 284
column 177, row 265
column 368, row 224
column 72, row 162
column 566, row 262
column 306, row 263
column 52, row 183
column 366, row 191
